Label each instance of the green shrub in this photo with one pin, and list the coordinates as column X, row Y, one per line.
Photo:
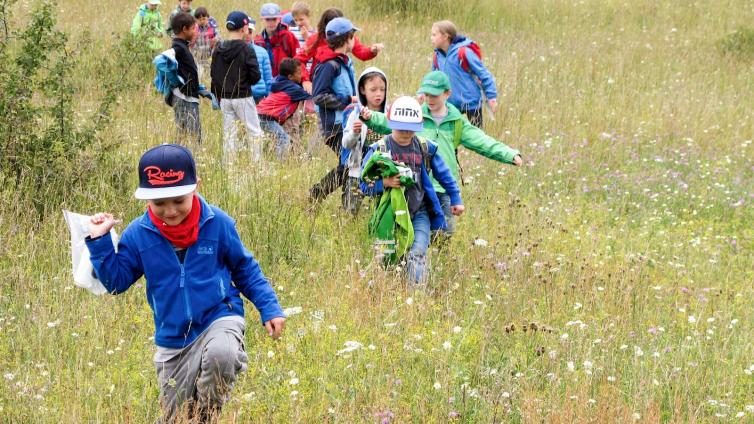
column 739, row 43
column 45, row 151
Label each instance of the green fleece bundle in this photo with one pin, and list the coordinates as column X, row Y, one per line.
column 390, row 223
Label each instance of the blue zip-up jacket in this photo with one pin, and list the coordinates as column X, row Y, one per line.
column 440, row 172
column 186, row 297
column 264, row 85
column 166, row 73
column 334, row 85
column 466, row 93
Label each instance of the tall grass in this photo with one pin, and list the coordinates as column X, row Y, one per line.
column 614, row 284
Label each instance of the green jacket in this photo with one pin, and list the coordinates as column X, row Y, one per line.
column 148, row 24
column 472, row 138
column 390, row 223
column 177, row 10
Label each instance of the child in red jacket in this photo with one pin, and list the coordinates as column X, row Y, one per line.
column 275, row 38
column 285, row 97
column 319, row 41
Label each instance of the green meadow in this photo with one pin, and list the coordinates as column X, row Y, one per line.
column 607, row 280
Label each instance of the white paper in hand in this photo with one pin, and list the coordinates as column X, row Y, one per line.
column 83, row 271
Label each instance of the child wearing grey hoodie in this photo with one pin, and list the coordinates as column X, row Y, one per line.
column 372, row 91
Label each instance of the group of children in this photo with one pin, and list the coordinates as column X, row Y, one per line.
column 194, row 262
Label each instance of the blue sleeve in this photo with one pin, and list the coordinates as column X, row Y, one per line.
column 248, row 277
column 442, row 174
column 477, row 68
column 376, row 188
column 267, row 72
column 322, row 91
column 298, row 94
column 117, row 271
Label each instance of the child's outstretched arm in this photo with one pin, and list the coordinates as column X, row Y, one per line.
column 117, row 271
column 249, row 279
column 443, row 175
column 479, row 142
column 364, row 52
column 375, row 121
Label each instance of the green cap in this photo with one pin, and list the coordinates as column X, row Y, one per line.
column 435, row 83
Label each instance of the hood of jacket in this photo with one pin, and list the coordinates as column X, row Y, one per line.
column 280, row 83
column 230, row 49
column 458, row 42
column 363, row 98
column 325, row 53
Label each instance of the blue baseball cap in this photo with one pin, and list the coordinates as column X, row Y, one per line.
column 166, row 171
column 338, row 27
column 237, row 20
column 270, row 10
column 288, row 19
column 405, row 114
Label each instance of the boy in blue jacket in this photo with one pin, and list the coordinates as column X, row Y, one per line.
column 334, row 88
column 404, row 117
column 189, row 252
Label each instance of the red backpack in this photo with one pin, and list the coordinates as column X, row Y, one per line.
column 461, row 56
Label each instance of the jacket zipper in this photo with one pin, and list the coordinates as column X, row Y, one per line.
column 222, row 289
column 185, row 291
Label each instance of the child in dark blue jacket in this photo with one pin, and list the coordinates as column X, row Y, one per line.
column 333, row 90
column 275, row 109
column 189, row 252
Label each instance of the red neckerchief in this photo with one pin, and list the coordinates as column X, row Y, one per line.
column 184, row 234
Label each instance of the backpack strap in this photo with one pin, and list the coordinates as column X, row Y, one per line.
column 457, row 134
column 464, row 62
column 435, row 62
column 424, row 145
column 382, row 146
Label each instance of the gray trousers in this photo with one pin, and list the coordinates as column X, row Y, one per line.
column 196, row 383
column 244, row 110
column 187, row 121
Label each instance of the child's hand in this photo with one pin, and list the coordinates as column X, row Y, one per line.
column 275, row 327
column 377, row 47
column 517, row 160
column 354, row 99
column 357, row 127
column 366, row 114
column 493, row 105
column 392, row 182
column 101, row 223
column 307, row 86
column 457, row 210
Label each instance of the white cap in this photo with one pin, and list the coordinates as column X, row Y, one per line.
column 405, row 114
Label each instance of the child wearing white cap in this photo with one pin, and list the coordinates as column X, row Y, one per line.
column 404, row 118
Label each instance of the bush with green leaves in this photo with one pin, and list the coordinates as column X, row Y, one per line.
column 45, row 151
column 739, row 43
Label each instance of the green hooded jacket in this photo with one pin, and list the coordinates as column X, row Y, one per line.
column 472, row 138
column 148, row 24
column 390, row 223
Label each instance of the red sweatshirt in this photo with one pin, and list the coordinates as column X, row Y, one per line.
column 314, row 44
column 282, row 44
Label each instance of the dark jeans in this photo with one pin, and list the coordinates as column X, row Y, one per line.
column 187, row 120
column 337, row 176
column 476, row 116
